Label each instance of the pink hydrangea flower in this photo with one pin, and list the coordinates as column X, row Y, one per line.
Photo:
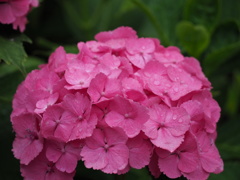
column 28, row 142
column 43, row 169
column 140, row 150
column 166, row 126
column 106, row 150
column 128, row 115
column 122, row 102
column 183, row 160
column 64, row 155
column 15, row 11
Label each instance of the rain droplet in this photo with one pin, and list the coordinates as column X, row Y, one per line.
column 180, row 120
column 147, row 74
column 174, row 117
column 156, row 82
column 176, row 89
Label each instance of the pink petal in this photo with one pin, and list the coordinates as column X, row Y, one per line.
column 94, row 158
column 67, row 163
column 130, row 116
column 20, row 7
column 54, row 150
column 24, row 123
column 57, row 123
column 20, row 22
column 77, row 104
column 6, row 14
column 57, row 60
column 139, row 152
column 96, row 87
column 153, row 166
column 177, row 121
column 151, row 129
column 211, row 160
column 140, row 45
column 182, row 83
column 84, row 128
column 166, row 140
column 188, row 162
column 115, row 136
column 169, row 166
column 96, row 140
column 198, row 174
column 26, row 150
column 42, row 169
column 117, row 158
column 119, row 33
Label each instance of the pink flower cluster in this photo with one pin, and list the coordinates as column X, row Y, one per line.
column 15, row 11
column 122, row 102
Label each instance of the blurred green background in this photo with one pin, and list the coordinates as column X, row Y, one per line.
column 206, row 29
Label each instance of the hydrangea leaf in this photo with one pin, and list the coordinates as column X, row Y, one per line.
column 203, row 12
column 163, row 21
column 219, row 38
column 233, row 96
column 222, row 47
column 194, row 39
column 230, row 10
column 12, row 52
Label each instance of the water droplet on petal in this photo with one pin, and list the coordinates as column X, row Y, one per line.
column 165, row 91
column 147, row 74
column 156, row 82
column 176, row 89
column 174, row 117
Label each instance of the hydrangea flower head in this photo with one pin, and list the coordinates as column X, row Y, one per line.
column 122, row 102
column 15, row 11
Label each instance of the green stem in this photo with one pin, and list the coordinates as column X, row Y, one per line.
column 152, row 18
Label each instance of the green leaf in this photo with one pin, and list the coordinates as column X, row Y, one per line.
column 233, row 96
column 167, row 16
column 219, row 57
column 12, row 52
column 203, row 12
column 230, row 10
column 153, row 19
column 231, row 172
column 22, row 38
column 219, row 38
column 194, row 39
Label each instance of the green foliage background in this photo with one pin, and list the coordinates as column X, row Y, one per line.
column 206, row 29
